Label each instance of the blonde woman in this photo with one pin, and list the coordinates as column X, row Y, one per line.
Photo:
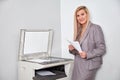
column 91, row 40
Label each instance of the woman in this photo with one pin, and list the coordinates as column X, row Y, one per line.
column 91, row 40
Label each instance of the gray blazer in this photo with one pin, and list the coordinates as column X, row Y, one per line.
column 93, row 44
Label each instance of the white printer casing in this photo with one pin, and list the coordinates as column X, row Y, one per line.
column 35, row 54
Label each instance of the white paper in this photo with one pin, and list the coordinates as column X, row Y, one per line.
column 76, row 45
column 45, row 73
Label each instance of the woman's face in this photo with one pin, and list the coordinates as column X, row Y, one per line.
column 81, row 17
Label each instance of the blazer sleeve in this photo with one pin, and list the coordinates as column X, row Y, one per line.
column 100, row 47
column 74, row 51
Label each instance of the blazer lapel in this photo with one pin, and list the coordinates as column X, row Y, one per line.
column 86, row 33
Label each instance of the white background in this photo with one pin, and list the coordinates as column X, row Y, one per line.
column 106, row 13
column 25, row 14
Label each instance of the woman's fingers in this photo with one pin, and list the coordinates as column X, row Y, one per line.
column 71, row 47
column 83, row 55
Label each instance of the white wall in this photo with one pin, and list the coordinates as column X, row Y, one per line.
column 28, row 14
column 105, row 13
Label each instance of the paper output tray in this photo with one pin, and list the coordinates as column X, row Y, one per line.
column 57, row 70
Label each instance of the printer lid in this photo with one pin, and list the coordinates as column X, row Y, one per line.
column 35, row 43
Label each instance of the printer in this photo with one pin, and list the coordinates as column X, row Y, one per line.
column 35, row 60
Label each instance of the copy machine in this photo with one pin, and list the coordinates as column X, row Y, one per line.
column 35, row 60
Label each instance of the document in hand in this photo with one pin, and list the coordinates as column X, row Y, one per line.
column 76, row 45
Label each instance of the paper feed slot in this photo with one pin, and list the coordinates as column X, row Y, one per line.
column 51, row 73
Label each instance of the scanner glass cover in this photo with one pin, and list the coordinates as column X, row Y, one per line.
column 35, row 43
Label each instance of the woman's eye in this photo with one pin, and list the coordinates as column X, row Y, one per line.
column 82, row 14
column 78, row 15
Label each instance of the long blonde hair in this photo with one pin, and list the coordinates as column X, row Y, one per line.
column 76, row 24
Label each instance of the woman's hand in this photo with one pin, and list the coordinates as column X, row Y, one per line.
column 71, row 47
column 83, row 54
